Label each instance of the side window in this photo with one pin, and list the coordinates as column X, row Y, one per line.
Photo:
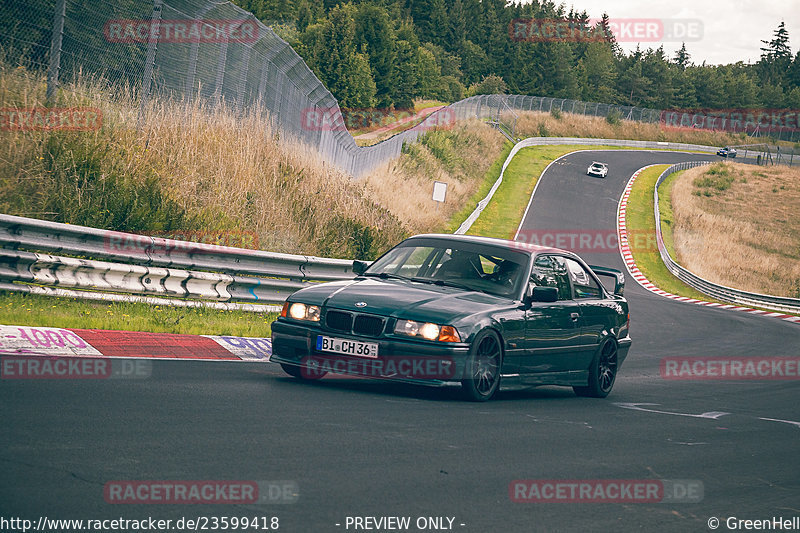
column 583, row 285
column 550, row 271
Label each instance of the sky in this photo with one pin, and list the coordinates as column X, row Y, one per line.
column 717, row 32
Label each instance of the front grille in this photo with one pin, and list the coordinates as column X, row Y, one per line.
column 339, row 321
column 367, row 325
column 371, row 326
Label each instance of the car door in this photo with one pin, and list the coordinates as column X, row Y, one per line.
column 598, row 315
column 552, row 329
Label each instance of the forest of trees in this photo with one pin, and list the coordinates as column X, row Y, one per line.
column 389, row 52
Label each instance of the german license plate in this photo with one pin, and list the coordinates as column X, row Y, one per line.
column 347, row 347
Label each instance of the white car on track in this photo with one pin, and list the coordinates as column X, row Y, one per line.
column 597, row 169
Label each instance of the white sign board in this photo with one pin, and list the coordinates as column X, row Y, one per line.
column 439, row 191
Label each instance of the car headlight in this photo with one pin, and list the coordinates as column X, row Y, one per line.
column 427, row 330
column 299, row 311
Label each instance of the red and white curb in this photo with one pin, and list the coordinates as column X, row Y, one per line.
column 630, row 264
column 56, row 342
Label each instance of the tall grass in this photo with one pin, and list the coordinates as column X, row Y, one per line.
column 196, row 167
column 540, row 124
column 737, row 225
column 460, row 157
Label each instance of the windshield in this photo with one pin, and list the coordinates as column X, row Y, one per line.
column 463, row 265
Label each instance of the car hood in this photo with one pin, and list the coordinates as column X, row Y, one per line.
column 399, row 298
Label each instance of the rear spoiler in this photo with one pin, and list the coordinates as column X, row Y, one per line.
column 619, row 277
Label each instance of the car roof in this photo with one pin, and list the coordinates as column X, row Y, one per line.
column 598, row 163
column 492, row 241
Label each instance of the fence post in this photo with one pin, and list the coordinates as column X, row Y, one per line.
column 55, row 49
column 191, row 72
column 221, row 62
column 245, row 69
column 152, row 44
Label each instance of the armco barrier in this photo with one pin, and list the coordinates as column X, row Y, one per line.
column 790, row 305
column 123, row 266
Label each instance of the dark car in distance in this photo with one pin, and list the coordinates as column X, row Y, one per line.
column 727, row 152
column 485, row 313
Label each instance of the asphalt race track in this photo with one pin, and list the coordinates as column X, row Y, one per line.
column 359, row 448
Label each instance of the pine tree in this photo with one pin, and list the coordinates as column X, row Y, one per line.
column 682, row 57
column 428, row 73
column 776, row 57
column 375, row 32
column 601, row 73
column 633, row 86
column 344, row 70
column 457, row 31
column 405, row 87
column 778, row 47
column 793, row 74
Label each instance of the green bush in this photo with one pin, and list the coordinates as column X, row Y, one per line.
column 614, row 117
column 717, row 178
column 85, row 186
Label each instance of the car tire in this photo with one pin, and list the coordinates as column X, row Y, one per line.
column 602, row 372
column 300, row 372
column 482, row 371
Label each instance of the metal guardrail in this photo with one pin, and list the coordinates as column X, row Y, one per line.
column 110, row 265
column 779, row 303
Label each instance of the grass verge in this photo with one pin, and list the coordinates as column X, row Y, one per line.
column 665, row 210
column 737, row 225
column 19, row 309
column 488, row 180
column 640, row 222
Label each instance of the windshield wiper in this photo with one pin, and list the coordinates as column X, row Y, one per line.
column 389, row 275
column 448, row 283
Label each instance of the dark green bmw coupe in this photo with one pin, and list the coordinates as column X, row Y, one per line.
column 487, row 313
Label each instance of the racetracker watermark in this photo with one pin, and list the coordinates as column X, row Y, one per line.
column 48, row 367
column 733, row 120
column 396, row 367
column 731, row 368
column 335, row 119
column 606, row 491
column 588, row 240
column 181, row 31
column 633, row 30
column 189, row 242
column 201, row 492
column 50, row 119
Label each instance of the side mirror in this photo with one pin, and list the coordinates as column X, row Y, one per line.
column 541, row 294
column 359, row 267
column 545, row 294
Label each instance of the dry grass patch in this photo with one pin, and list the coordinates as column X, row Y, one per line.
column 539, row 124
column 459, row 157
column 194, row 168
column 737, row 225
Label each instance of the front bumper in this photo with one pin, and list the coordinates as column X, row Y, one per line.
column 400, row 359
